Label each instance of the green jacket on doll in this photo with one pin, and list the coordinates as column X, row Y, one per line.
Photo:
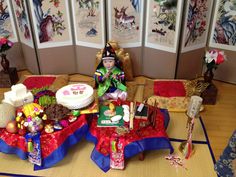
column 110, row 84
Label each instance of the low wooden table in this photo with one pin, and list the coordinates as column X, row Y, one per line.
column 8, row 79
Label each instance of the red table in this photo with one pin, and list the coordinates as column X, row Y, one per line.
column 54, row 146
column 148, row 138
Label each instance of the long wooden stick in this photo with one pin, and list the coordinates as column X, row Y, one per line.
column 131, row 119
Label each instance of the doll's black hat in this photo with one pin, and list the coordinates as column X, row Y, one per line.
column 108, row 53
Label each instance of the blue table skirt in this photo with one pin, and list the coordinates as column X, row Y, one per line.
column 55, row 156
column 130, row 150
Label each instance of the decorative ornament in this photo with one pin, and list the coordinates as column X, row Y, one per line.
column 64, row 123
column 175, row 160
column 212, row 59
column 117, row 158
column 76, row 113
column 34, row 148
column 49, row 128
column 72, row 118
column 195, row 87
column 32, row 110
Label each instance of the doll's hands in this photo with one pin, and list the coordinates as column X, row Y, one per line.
column 107, row 75
column 114, row 76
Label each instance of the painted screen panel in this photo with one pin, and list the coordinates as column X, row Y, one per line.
column 223, row 34
column 196, row 24
column 23, row 23
column 125, row 22
column 7, row 25
column 163, row 24
column 88, row 19
column 52, row 23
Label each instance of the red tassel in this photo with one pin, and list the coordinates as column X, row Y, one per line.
column 189, row 150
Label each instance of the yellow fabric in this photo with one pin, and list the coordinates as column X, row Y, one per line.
column 173, row 104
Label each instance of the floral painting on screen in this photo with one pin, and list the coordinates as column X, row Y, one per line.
column 22, row 20
column 51, row 22
column 196, row 24
column 7, row 27
column 224, row 25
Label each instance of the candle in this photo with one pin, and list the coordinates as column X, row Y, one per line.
column 194, row 106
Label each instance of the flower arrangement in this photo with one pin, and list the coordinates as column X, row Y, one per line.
column 213, row 58
column 5, row 44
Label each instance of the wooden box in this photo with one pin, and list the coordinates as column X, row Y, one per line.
column 209, row 95
column 8, row 79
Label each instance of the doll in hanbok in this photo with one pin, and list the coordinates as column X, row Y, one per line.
column 109, row 76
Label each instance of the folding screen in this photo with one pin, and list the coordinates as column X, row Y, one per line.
column 68, row 34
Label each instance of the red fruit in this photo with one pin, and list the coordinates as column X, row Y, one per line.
column 12, row 127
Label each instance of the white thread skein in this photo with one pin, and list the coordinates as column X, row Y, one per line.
column 194, row 106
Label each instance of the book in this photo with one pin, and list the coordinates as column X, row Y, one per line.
column 104, row 119
column 143, row 114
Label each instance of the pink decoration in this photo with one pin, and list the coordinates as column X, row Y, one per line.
column 66, row 92
column 78, row 87
column 175, row 160
column 64, row 123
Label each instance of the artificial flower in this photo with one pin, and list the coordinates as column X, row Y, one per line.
column 5, row 44
column 213, row 58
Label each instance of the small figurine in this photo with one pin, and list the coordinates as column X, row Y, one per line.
column 109, row 76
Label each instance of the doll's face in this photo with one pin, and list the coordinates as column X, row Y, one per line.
column 108, row 64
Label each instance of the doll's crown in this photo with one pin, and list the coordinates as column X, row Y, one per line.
column 108, row 53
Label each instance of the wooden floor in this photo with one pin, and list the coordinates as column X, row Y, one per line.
column 219, row 119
